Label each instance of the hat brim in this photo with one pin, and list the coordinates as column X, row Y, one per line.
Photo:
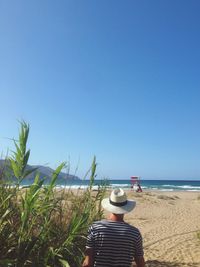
column 130, row 205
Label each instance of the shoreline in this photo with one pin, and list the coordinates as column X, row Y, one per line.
column 127, row 189
column 146, row 185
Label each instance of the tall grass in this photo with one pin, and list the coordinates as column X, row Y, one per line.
column 40, row 226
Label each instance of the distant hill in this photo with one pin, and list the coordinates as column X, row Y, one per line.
column 45, row 172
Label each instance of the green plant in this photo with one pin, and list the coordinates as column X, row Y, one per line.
column 19, row 159
column 40, row 226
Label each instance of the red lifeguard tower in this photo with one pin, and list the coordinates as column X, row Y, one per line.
column 135, row 183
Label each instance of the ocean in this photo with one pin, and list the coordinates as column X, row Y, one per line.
column 162, row 185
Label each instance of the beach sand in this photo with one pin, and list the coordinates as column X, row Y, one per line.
column 168, row 222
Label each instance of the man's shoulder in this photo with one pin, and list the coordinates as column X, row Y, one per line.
column 100, row 222
column 96, row 225
column 133, row 228
column 107, row 223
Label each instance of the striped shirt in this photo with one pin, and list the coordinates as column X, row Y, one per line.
column 115, row 244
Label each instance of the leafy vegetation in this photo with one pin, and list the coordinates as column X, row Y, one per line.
column 40, row 225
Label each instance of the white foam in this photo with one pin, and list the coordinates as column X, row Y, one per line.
column 166, row 190
column 72, row 186
column 121, row 185
column 188, row 186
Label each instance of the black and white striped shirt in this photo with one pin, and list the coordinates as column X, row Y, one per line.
column 115, row 244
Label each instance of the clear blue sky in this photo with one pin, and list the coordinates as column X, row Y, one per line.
column 115, row 79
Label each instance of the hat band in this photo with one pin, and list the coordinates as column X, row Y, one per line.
column 118, row 204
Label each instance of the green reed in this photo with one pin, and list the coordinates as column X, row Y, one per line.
column 39, row 225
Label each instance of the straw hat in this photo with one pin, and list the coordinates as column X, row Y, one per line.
column 118, row 203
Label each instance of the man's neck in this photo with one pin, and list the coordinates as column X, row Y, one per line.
column 116, row 217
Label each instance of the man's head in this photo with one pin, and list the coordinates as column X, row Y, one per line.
column 118, row 203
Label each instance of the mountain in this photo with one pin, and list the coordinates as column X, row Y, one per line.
column 44, row 172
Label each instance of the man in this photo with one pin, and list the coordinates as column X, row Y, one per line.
column 113, row 242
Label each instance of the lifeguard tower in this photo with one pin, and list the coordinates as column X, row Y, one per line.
column 135, row 184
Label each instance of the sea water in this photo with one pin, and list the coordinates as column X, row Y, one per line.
column 162, row 185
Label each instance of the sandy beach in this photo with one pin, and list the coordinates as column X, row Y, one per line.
column 169, row 222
